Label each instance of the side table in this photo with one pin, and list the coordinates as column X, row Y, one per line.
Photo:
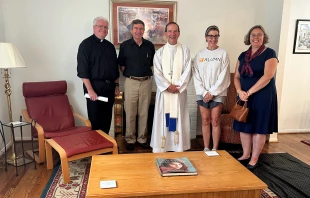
column 4, row 143
column 18, row 160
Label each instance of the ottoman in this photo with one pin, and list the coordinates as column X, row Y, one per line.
column 77, row 146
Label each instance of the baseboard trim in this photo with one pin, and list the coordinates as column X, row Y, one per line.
column 3, row 149
column 294, row 131
column 9, row 144
column 24, row 138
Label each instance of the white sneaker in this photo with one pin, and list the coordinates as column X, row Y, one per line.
column 206, row 149
column 213, row 149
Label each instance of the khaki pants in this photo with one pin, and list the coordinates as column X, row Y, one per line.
column 137, row 101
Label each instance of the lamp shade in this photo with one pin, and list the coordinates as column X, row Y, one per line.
column 10, row 56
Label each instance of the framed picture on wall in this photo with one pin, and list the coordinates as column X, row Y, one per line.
column 302, row 37
column 154, row 14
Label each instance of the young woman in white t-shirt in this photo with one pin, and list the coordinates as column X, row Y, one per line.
column 211, row 75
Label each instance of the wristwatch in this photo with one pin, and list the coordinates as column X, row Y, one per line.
column 117, row 84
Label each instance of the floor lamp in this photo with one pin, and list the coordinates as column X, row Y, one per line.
column 10, row 58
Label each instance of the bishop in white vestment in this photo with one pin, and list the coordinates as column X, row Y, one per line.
column 172, row 74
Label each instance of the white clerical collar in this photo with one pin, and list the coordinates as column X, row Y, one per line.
column 172, row 46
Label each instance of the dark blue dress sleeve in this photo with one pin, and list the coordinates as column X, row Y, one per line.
column 271, row 54
column 241, row 56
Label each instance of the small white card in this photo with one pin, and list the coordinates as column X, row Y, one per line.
column 108, row 184
column 101, row 98
column 212, row 153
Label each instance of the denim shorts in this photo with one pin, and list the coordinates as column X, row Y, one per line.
column 209, row 105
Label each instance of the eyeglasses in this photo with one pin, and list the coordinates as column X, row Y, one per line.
column 102, row 27
column 213, row 36
column 257, row 35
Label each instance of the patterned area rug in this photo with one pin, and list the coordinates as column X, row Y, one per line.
column 76, row 188
column 306, row 142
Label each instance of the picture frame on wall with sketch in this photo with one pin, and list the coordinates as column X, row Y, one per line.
column 302, row 37
column 155, row 16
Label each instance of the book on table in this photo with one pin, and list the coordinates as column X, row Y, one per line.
column 175, row 166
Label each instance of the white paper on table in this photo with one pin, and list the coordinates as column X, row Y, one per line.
column 108, row 184
column 101, row 98
column 212, row 153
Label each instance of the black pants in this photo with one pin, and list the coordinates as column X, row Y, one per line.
column 99, row 112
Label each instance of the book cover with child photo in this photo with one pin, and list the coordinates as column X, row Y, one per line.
column 175, row 166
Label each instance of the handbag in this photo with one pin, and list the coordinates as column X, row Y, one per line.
column 239, row 113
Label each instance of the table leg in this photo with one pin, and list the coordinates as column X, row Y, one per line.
column 15, row 157
column 21, row 133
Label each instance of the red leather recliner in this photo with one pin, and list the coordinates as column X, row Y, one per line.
column 48, row 104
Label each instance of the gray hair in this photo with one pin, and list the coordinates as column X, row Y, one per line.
column 100, row 18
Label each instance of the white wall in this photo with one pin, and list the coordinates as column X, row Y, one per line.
column 232, row 17
column 2, row 36
column 270, row 20
column 293, row 72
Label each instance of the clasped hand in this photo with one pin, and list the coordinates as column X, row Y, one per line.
column 173, row 89
column 207, row 97
column 243, row 95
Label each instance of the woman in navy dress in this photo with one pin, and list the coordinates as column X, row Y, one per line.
column 255, row 83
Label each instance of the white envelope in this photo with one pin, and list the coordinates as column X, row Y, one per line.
column 101, row 98
column 108, row 184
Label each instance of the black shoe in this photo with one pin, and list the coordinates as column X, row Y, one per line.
column 144, row 145
column 244, row 161
column 130, row 146
column 251, row 167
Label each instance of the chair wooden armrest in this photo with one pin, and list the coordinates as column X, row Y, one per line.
column 41, row 158
column 78, row 116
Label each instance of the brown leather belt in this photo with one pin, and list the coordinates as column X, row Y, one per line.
column 140, row 78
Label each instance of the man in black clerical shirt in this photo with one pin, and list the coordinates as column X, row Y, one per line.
column 136, row 60
column 98, row 69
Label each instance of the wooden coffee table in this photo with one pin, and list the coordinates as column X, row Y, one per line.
column 137, row 176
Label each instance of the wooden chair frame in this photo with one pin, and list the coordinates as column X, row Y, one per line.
column 50, row 143
column 41, row 157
